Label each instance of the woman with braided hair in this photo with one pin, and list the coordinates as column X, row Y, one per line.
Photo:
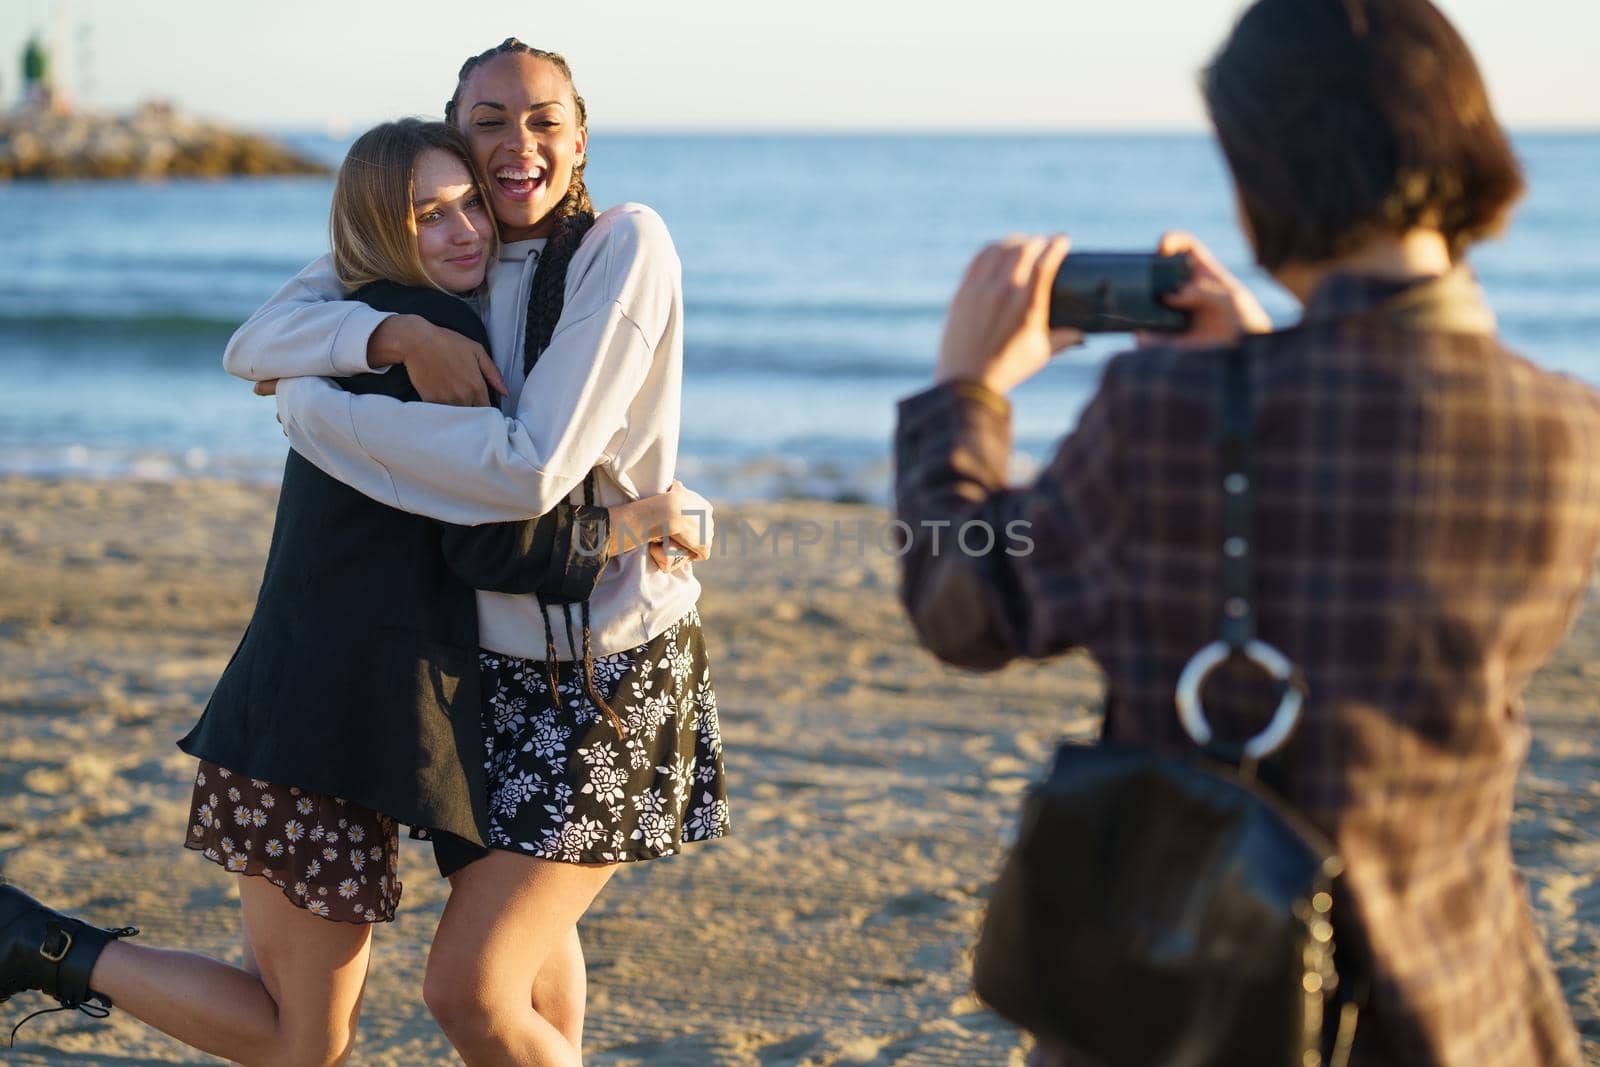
column 600, row 724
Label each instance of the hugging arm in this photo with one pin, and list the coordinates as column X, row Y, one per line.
column 307, row 328
column 475, row 465
column 310, row 328
column 559, row 555
column 1046, row 582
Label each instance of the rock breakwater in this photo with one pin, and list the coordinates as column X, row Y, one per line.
column 156, row 141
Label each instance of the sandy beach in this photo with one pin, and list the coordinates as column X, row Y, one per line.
column 872, row 793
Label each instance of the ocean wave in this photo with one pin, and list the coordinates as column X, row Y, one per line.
column 58, row 323
column 112, row 335
column 887, row 364
column 137, row 464
column 855, row 476
column 185, row 259
column 173, row 307
column 706, row 361
column 864, row 476
column 865, row 308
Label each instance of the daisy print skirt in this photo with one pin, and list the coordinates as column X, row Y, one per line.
column 564, row 786
column 334, row 858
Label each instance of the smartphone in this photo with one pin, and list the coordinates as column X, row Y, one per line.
column 1118, row 292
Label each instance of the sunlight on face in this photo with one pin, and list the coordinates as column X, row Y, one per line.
column 519, row 114
column 452, row 222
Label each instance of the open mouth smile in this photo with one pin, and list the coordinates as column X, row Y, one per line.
column 520, row 183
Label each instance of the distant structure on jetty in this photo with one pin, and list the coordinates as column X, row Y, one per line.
column 43, row 137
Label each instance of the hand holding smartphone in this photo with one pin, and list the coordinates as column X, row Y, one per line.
column 1119, row 292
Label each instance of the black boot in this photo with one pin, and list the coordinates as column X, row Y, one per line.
column 45, row 950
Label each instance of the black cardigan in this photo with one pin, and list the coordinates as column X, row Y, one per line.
column 358, row 674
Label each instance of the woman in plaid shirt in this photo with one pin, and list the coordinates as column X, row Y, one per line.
column 1427, row 505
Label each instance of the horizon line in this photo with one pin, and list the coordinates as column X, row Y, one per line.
column 910, row 130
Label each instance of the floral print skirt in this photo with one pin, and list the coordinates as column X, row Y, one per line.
column 564, row 786
column 331, row 857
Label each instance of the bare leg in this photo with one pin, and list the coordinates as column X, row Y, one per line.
column 562, row 987
column 301, row 1010
column 249, row 965
column 507, row 915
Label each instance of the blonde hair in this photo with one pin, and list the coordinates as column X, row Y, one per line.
column 372, row 225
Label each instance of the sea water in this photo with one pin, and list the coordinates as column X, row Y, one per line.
column 816, row 273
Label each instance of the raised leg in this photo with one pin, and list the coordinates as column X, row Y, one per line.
column 298, row 1009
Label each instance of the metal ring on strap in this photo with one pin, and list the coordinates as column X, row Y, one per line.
column 1278, row 667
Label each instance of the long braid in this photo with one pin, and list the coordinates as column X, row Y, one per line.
column 572, row 220
column 574, row 217
column 588, row 677
column 550, row 662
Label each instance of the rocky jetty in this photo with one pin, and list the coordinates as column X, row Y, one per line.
column 156, row 141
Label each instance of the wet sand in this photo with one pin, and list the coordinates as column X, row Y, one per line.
column 872, row 791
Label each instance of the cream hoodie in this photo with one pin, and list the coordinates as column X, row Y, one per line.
column 604, row 394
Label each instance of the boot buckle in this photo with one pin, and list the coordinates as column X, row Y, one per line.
column 59, row 954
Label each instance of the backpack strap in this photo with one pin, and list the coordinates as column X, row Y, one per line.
column 1237, row 627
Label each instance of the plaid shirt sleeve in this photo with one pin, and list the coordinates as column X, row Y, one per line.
column 1036, row 576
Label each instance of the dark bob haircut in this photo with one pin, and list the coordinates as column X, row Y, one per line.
column 1341, row 119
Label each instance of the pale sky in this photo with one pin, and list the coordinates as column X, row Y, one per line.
column 740, row 64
